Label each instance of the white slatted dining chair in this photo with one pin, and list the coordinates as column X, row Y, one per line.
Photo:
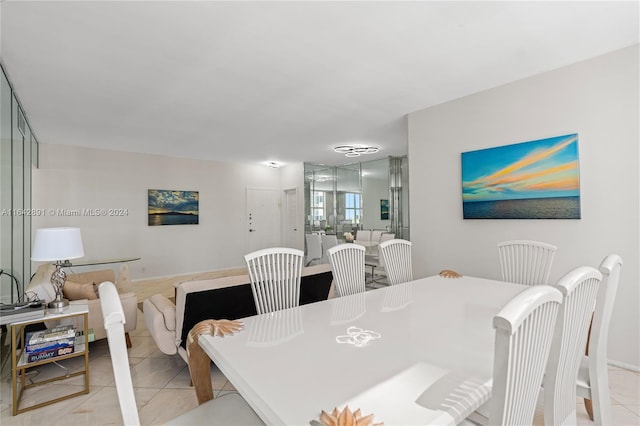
column 275, row 275
column 374, row 261
column 229, row 409
column 395, row 255
column 328, row 241
column 579, row 288
column 314, row 247
column 376, row 234
column 387, row 236
column 524, row 334
column 347, row 265
column 526, row 262
column 593, row 374
column 363, row 235
column 114, row 321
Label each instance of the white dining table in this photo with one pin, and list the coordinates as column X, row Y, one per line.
column 413, row 353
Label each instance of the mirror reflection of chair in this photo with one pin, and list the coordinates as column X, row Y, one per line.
column 376, row 234
column 374, row 261
column 396, row 298
column 314, row 248
column 275, row 275
column 526, row 262
column 363, row 235
column 395, row 255
column 579, row 288
column 328, row 241
column 347, row 264
column 276, row 328
column 348, row 309
column 522, row 347
column 593, row 375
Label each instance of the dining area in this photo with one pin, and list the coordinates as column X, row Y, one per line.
column 444, row 349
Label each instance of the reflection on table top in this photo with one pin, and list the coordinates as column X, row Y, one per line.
column 105, row 262
column 435, row 336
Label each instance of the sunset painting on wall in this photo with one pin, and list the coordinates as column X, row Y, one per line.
column 530, row 180
column 168, row 207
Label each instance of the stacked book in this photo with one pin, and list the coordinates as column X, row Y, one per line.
column 45, row 344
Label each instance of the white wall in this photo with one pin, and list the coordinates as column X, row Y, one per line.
column 598, row 99
column 81, row 178
column 292, row 177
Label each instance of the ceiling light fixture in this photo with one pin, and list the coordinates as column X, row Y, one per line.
column 272, row 164
column 355, row 150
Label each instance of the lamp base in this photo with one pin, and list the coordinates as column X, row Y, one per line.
column 58, row 304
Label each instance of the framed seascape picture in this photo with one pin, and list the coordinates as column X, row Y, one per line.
column 530, row 180
column 168, row 207
column 384, row 209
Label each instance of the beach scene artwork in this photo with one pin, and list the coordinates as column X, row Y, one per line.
column 529, row 180
column 167, row 207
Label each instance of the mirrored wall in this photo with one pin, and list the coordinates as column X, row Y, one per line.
column 18, row 155
column 366, row 195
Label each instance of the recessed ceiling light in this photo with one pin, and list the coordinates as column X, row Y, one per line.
column 355, row 150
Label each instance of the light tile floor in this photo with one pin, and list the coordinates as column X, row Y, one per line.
column 162, row 390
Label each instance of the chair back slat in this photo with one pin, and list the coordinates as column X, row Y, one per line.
column 526, row 262
column 347, row 264
column 395, row 255
column 524, row 333
column 275, row 275
column 579, row 288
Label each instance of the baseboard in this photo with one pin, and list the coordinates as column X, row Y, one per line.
column 625, row 366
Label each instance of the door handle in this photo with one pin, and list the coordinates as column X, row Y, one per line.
column 252, row 230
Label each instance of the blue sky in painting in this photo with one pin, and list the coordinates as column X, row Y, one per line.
column 162, row 201
column 537, row 169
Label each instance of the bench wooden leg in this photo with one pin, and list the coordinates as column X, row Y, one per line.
column 128, row 339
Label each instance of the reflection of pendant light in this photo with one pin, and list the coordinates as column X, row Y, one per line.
column 355, row 150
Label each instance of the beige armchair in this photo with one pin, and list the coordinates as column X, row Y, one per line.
column 83, row 286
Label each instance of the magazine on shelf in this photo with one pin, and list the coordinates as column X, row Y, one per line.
column 56, row 333
column 53, row 344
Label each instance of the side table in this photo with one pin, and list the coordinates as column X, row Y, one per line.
column 19, row 363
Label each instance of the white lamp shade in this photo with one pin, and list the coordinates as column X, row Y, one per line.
column 53, row 244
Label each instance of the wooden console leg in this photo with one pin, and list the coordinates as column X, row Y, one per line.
column 128, row 339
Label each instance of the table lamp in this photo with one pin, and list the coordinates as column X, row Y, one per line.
column 59, row 245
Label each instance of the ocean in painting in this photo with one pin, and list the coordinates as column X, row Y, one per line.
column 173, row 219
column 531, row 208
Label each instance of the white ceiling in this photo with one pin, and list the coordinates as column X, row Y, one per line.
column 278, row 81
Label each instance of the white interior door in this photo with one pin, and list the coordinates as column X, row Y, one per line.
column 263, row 218
column 291, row 222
